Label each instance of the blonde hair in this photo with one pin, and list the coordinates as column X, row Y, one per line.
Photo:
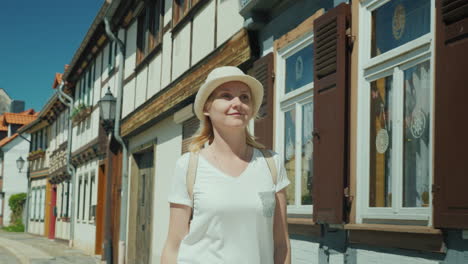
column 205, row 134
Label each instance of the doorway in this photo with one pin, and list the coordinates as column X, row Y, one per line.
column 144, row 185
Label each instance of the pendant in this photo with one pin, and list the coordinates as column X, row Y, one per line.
column 381, row 141
column 418, row 123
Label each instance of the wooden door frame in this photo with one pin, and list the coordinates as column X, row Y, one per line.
column 133, row 196
column 53, row 203
column 98, row 248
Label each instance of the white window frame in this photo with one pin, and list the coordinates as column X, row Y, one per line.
column 390, row 63
column 285, row 102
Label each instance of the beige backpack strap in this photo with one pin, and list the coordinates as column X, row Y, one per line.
column 271, row 163
column 192, row 172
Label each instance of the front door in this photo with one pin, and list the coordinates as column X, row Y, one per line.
column 144, row 207
column 53, row 211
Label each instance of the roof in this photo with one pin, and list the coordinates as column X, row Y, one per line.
column 19, row 119
column 58, row 79
column 3, row 127
column 28, row 112
column 87, row 39
column 7, row 140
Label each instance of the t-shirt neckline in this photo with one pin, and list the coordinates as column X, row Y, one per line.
column 254, row 154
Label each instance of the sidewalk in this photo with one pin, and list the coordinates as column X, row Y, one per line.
column 32, row 249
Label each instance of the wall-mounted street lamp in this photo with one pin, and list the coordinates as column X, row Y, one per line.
column 20, row 163
column 107, row 110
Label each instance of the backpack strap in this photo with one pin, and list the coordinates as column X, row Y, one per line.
column 192, row 173
column 271, row 163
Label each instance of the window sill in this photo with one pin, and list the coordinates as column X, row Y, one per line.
column 395, row 236
column 304, row 227
column 394, row 228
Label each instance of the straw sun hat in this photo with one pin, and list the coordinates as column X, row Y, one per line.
column 222, row 75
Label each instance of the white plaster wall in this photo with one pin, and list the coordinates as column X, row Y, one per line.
column 168, row 150
column 97, row 80
column 141, row 86
column 166, row 60
column 62, row 230
column 373, row 257
column 128, row 103
column 229, row 20
column 85, row 229
column 154, row 76
column 122, row 38
column 110, row 84
column 304, row 252
column 37, row 227
column 181, row 52
column 167, row 11
column 203, row 32
column 14, row 181
column 95, row 124
column 130, row 52
column 105, row 64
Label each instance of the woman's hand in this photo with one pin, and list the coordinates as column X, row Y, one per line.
column 178, row 227
column 280, row 230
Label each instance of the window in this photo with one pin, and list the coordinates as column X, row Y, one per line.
column 85, row 185
column 394, row 132
column 181, row 8
column 67, row 206
column 149, row 28
column 62, row 195
column 91, row 201
column 295, row 120
column 112, row 55
column 79, row 196
column 42, row 203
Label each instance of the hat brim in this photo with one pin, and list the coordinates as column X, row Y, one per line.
column 256, row 89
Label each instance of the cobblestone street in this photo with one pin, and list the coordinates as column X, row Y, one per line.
column 21, row 248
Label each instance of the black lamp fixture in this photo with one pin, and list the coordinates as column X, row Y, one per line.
column 107, row 110
column 20, row 163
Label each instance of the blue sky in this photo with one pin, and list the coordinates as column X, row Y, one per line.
column 37, row 39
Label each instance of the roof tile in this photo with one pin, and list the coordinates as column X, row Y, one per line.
column 19, row 119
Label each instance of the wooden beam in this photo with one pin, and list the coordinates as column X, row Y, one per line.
column 235, row 52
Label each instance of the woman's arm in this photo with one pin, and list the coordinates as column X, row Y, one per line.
column 178, row 227
column 280, row 230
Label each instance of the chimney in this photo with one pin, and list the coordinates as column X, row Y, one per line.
column 16, row 106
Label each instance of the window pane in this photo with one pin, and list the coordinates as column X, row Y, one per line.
column 299, row 69
column 398, row 22
column 306, row 179
column 290, row 153
column 380, row 181
column 416, row 136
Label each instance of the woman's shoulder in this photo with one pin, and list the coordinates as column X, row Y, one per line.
column 273, row 153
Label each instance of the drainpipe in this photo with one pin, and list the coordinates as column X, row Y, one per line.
column 118, row 116
column 70, row 168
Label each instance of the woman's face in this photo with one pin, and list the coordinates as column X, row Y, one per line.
column 230, row 105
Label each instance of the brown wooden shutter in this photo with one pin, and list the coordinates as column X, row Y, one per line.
column 450, row 118
column 189, row 127
column 262, row 70
column 330, row 156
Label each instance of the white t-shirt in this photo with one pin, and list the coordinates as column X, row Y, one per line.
column 233, row 216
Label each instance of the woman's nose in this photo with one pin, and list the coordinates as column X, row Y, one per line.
column 236, row 101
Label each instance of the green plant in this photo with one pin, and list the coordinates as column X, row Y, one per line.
column 16, row 203
column 77, row 110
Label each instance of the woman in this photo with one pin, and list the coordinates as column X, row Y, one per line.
column 238, row 213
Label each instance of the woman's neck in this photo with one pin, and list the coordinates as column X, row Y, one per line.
column 230, row 142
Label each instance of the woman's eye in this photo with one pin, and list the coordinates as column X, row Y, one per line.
column 226, row 96
column 245, row 97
